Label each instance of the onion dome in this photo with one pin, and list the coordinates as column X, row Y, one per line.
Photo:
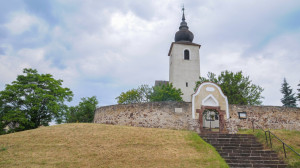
column 183, row 34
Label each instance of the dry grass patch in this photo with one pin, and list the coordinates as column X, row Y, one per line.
column 98, row 145
column 292, row 138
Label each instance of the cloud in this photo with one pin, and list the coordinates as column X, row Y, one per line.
column 266, row 68
column 22, row 22
column 105, row 47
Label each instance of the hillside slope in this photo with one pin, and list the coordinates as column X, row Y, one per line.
column 290, row 137
column 98, row 145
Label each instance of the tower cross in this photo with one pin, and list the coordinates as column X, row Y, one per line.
column 183, row 17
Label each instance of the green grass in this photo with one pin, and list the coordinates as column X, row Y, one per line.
column 99, row 145
column 292, row 138
column 200, row 145
column 2, row 149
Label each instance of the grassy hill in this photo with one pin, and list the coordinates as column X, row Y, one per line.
column 98, row 145
column 292, row 138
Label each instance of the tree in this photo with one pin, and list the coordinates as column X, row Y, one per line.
column 165, row 92
column 33, row 100
column 289, row 99
column 131, row 96
column 238, row 88
column 84, row 112
column 146, row 94
column 139, row 95
column 2, row 123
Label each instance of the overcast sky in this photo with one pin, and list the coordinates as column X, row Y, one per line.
column 105, row 47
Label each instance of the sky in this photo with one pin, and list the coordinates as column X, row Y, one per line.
column 104, row 47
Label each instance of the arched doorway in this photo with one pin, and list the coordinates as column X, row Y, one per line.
column 210, row 108
column 211, row 119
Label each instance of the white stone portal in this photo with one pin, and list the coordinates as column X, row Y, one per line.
column 209, row 94
column 210, row 100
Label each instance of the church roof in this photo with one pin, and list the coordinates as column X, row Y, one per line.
column 183, row 34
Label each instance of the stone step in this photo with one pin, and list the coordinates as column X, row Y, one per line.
column 237, row 148
column 242, row 150
column 251, row 152
column 270, row 165
column 257, row 165
column 223, row 154
column 237, row 145
column 226, row 135
column 256, row 161
column 231, row 139
column 251, row 158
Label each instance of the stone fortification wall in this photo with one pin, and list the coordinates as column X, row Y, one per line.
column 272, row 117
column 178, row 115
column 171, row 115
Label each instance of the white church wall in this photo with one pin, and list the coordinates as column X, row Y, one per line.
column 184, row 73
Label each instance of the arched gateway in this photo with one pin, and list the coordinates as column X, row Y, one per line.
column 210, row 106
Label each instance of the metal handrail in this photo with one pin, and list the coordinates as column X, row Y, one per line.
column 261, row 129
column 283, row 143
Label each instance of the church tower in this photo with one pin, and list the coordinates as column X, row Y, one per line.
column 184, row 61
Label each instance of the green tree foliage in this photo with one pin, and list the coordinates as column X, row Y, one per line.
column 33, row 100
column 237, row 87
column 145, row 94
column 2, row 123
column 139, row 95
column 289, row 99
column 165, row 92
column 131, row 96
column 84, row 112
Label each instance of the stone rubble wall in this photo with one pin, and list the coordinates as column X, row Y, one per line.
column 178, row 115
column 268, row 117
column 170, row 115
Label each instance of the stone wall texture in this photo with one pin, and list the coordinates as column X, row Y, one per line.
column 271, row 117
column 178, row 115
column 170, row 115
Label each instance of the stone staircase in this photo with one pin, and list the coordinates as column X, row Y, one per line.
column 242, row 150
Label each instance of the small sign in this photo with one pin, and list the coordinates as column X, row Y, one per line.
column 242, row 115
column 210, row 89
column 178, row 110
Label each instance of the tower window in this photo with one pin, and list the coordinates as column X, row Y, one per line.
column 186, row 84
column 186, row 54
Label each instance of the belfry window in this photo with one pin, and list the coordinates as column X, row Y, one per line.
column 186, row 54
